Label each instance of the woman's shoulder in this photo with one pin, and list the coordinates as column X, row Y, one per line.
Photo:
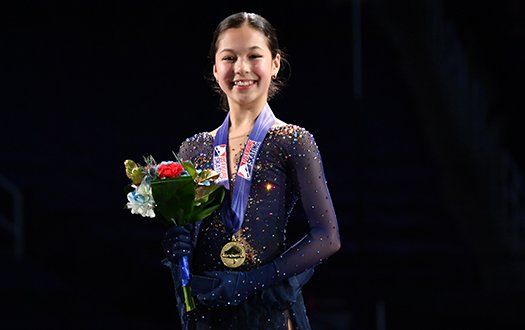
column 281, row 128
column 294, row 141
column 292, row 138
column 199, row 137
column 196, row 142
column 196, row 145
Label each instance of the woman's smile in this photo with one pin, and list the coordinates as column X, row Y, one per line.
column 243, row 84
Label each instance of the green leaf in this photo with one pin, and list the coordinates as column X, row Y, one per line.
column 190, row 168
column 211, row 203
column 174, row 199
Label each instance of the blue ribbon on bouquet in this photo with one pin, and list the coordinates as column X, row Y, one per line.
column 180, row 274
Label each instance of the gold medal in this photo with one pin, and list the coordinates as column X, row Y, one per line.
column 233, row 254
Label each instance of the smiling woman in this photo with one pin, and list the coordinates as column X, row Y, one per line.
column 256, row 44
column 244, row 66
column 246, row 274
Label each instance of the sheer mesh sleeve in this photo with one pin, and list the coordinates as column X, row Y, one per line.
column 323, row 237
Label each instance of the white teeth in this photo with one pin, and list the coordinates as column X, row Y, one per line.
column 243, row 82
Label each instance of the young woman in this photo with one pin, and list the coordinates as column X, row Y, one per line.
column 267, row 166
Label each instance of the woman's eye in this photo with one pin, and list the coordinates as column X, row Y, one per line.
column 228, row 58
column 255, row 56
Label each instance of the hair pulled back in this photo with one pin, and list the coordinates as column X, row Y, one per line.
column 260, row 24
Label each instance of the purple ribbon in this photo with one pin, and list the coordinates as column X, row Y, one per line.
column 234, row 206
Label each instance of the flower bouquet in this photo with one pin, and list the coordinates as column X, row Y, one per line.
column 177, row 194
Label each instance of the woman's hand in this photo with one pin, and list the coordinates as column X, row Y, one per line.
column 177, row 242
column 235, row 287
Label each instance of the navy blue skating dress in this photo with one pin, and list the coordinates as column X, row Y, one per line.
column 288, row 171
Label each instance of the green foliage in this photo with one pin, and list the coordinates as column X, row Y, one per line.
column 180, row 201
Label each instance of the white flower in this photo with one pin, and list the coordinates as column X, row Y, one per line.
column 141, row 201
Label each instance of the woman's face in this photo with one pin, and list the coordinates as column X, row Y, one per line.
column 244, row 66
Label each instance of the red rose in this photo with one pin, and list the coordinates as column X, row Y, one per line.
column 169, row 170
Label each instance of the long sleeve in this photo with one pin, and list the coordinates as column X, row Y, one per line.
column 322, row 239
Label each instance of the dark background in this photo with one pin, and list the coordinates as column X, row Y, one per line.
column 416, row 107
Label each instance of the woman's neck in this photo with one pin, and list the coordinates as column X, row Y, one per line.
column 242, row 120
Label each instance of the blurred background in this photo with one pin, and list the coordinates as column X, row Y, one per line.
column 416, row 107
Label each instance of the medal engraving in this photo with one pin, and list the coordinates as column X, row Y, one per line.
column 233, row 254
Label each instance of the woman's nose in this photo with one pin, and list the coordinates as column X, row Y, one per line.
column 241, row 66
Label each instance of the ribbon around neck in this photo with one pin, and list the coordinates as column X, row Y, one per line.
column 235, row 204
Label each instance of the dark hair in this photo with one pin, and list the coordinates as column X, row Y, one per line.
column 260, row 24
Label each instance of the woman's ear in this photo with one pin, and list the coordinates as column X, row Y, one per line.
column 215, row 71
column 276, row 63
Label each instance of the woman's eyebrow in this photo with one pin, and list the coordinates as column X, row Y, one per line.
column 231, row 50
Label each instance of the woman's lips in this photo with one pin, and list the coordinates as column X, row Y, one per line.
column 243, row 84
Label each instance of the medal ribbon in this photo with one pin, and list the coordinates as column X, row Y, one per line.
column 233, row 209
